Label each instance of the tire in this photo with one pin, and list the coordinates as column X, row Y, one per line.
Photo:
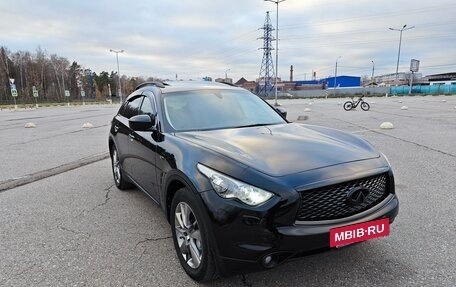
column 190, row 237
column 348, row 106
column 117, row 174
column 365, row 106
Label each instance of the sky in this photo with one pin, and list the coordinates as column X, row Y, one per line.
column 198, row 38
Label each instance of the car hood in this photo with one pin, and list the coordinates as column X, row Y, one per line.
column 279, row 150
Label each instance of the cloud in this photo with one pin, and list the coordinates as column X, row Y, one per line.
column 206, row 38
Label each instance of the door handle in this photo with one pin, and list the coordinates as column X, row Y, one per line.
column 132, row 137
column 116, row 129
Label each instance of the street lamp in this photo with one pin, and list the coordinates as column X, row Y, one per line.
column 335, row 76
column 277, row 45
column 400, row 41
column 118, row 71
column 372, row 78
column 373, row 67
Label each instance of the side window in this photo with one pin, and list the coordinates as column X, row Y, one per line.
column 132, row 107
column 147, row 107
column 122, row 109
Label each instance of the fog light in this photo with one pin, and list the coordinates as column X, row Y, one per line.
column 272, row 260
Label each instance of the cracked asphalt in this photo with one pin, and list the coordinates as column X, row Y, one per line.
column 73, row 227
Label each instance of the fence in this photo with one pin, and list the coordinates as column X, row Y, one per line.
column 375, row 91
column 431, row 90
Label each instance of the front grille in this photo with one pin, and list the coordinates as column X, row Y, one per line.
column 330, row 202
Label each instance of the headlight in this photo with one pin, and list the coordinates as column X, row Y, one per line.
column 228, row 187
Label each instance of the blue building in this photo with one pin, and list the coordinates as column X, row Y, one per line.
column 343, row 82
column 328, row 83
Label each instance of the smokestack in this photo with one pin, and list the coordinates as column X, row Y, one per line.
column 291, row 73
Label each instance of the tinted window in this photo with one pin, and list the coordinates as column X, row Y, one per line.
column 217, row 109
column 122, row 109
column 132, row 107
column 147, row 107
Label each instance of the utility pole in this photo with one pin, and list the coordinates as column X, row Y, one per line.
column 335, row 76
column 118, row 71
column 277, row 46
column 372, row 77
column 373, row 66
column 267, row 66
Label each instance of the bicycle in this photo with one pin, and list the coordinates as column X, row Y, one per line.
column 352, row 104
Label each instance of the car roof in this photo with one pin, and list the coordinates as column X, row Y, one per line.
column 177, row 86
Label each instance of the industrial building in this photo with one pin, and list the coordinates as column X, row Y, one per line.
column 321, row 84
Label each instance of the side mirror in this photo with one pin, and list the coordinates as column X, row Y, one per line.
column 282, row 112
column 142, row 122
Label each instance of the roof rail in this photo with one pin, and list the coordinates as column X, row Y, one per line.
column 157, row 84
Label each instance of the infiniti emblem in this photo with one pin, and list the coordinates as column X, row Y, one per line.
column 357, row 195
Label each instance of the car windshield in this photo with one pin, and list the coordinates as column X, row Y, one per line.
column 217, row 109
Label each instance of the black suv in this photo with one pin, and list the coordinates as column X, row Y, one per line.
column 243, row 188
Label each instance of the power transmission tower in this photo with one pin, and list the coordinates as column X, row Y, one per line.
column 267, row 76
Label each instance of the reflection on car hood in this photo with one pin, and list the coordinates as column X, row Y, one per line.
column 284, row 149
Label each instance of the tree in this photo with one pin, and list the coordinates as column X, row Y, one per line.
column 4, row 73
column 60, row 65
column 101, row 82
column 52, row 75
column 75, row 79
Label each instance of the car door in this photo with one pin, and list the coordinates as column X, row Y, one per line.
column 143, row 149
column 122, row 131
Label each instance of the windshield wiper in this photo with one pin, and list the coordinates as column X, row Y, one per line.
column 249, row 126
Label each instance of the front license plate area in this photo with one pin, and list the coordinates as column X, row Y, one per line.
column 346, row 235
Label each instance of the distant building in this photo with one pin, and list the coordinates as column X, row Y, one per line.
column 248, row 85
column 241, row 81
column 343, row 82
column 286, row 86
column 311, row 85
column 446, row 81
column 224, row 80
column 441, row 79
column 267, row 85
column 403, row 78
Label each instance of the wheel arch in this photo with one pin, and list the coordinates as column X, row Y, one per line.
column 175, row 182
column 110, row 144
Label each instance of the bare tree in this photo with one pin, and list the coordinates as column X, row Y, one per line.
column 52, row 74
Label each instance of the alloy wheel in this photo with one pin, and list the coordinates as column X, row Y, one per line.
column 188, row 235
column 116, row 166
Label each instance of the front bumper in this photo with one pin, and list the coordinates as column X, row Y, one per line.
column 244, row 239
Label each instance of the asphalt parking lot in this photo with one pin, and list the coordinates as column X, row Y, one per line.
column 64, row 223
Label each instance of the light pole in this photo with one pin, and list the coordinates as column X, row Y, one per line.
column 118, row 71
column 372, row 77
column 373, row 67
column 335, row 76
column 110, row 93
column 400, row 41
column 277, row 45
